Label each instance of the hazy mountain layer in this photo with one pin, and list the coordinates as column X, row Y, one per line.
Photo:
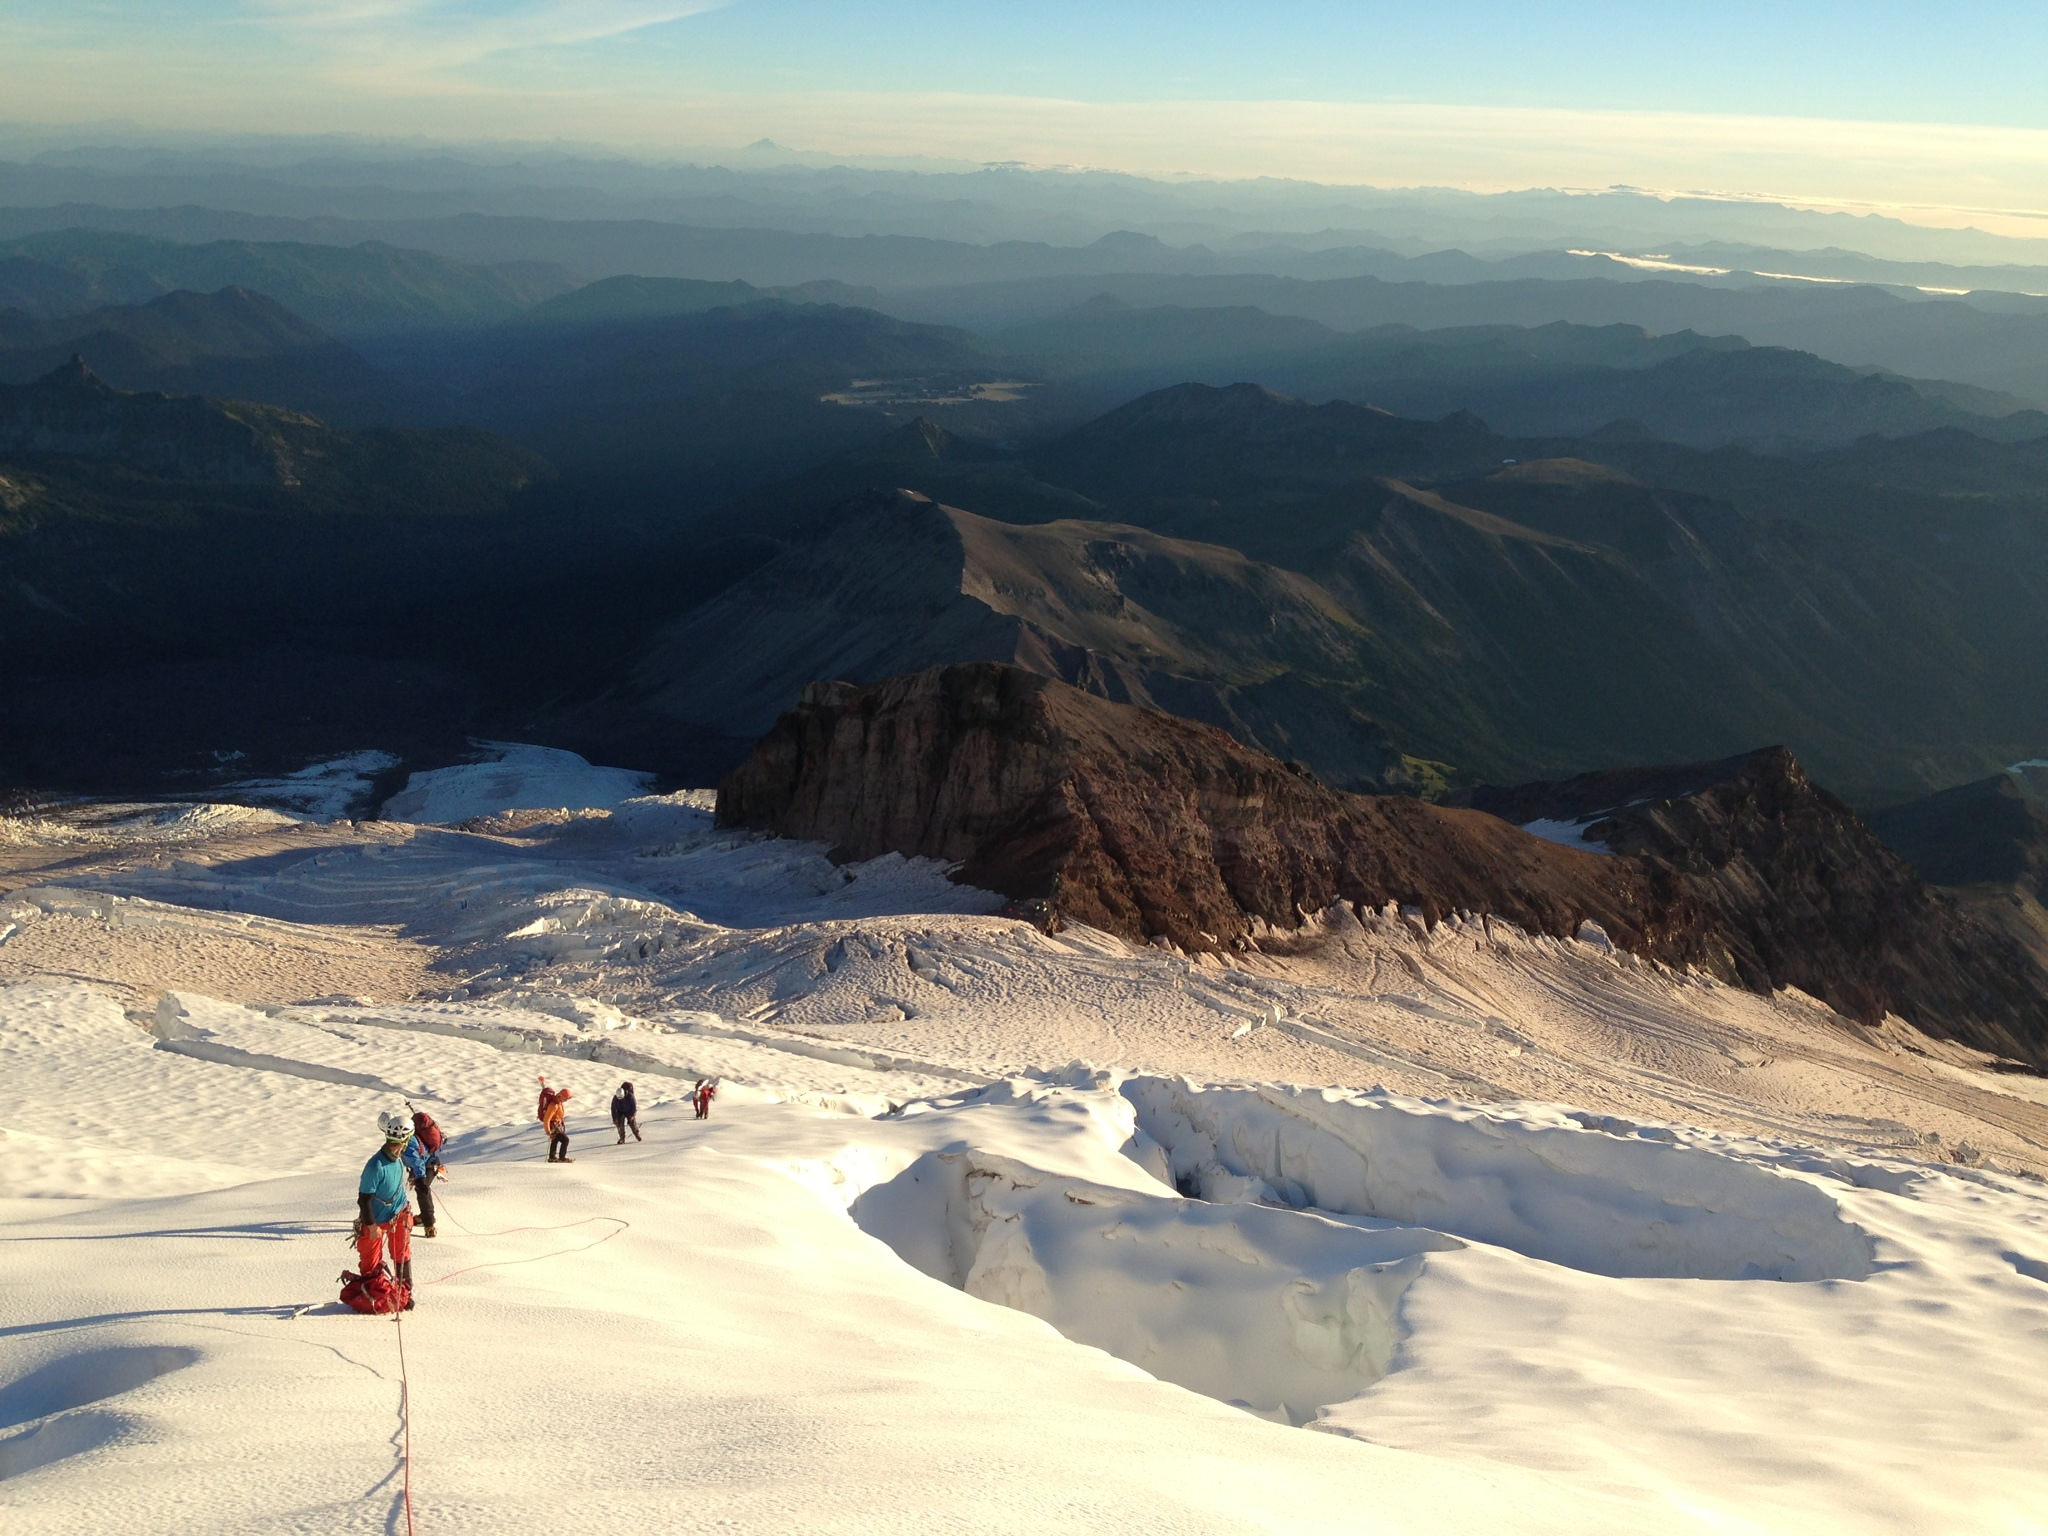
column 679, row 406
column 1551, row 605
column 354, row 290
column 1994, row 344
column 899, row 583
column 234, row 345
column 1988, row 842
column 1551, row 380
column 1921, row 336
column 769, row 186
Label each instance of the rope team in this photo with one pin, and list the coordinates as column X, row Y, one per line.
column 411, row 1156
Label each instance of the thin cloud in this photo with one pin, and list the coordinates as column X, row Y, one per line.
column 414, row 37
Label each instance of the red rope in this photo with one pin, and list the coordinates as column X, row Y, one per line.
column 620, row 1225
column 536, row 1258
column 404, row 1378
column 405, row 1413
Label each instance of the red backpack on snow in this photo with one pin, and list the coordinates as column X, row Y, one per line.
column 374, row 1292
column 429, row 1134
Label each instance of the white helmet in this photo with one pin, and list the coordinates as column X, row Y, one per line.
column 395, row 1126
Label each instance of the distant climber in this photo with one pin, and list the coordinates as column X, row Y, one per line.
column 554, row 1117
column 625, row 1113
column 706, row 1088
column 423, row 1162
column 384, row 1216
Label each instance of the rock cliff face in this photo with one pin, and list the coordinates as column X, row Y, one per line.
column 1147, row 825
column 1797, row 891
column 1137, row 822
column 1987, row 843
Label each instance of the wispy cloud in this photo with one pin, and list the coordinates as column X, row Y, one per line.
column 408, row 39
column 574, row 70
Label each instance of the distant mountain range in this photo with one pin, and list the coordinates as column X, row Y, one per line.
column 1554, row 380
column 447, row 342
column 171, row 562
column 199, row 191
column 1858, row 326
column 1518, row 606
column 1993, row 342
column 1721, row 244
column 1490, row 551
column 233, row 344
column 368, row 289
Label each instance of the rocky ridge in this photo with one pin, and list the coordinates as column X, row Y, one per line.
column 1153, row 827
column 1801, row 892
column 895, row 582
column 1986, row 844
column 72, row 412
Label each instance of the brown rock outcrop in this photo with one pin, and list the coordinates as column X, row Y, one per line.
column 1798, row 891
column 1148, row 825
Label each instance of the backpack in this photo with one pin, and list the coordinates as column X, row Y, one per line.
column 428, row 1132
column 374, row 1292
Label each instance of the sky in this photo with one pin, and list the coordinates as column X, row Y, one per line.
column 1938, row 109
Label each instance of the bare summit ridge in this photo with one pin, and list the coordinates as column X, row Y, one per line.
column 1147, row 826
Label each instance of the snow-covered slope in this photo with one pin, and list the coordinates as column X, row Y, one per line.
column 513, row 777
column 1610, row 1249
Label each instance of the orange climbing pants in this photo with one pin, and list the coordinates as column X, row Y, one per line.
column 370, row 1243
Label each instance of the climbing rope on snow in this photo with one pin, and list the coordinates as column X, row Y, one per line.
column 405, row 1420
column 620, row 1224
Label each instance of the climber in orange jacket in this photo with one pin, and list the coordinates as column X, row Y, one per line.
column 553, row 1119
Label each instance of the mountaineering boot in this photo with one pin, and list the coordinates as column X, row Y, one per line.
column 405, row 1279
column 426, row 1231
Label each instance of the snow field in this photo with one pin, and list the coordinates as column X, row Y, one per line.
column 790, row 1368
column 918, row 1272
column 513, row 777
column 649, row 907
column 322, row 791
column 679, row 1331
column 129, row 826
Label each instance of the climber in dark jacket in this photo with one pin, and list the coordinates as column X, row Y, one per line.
column 625, row 1113
column 423, row 1167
